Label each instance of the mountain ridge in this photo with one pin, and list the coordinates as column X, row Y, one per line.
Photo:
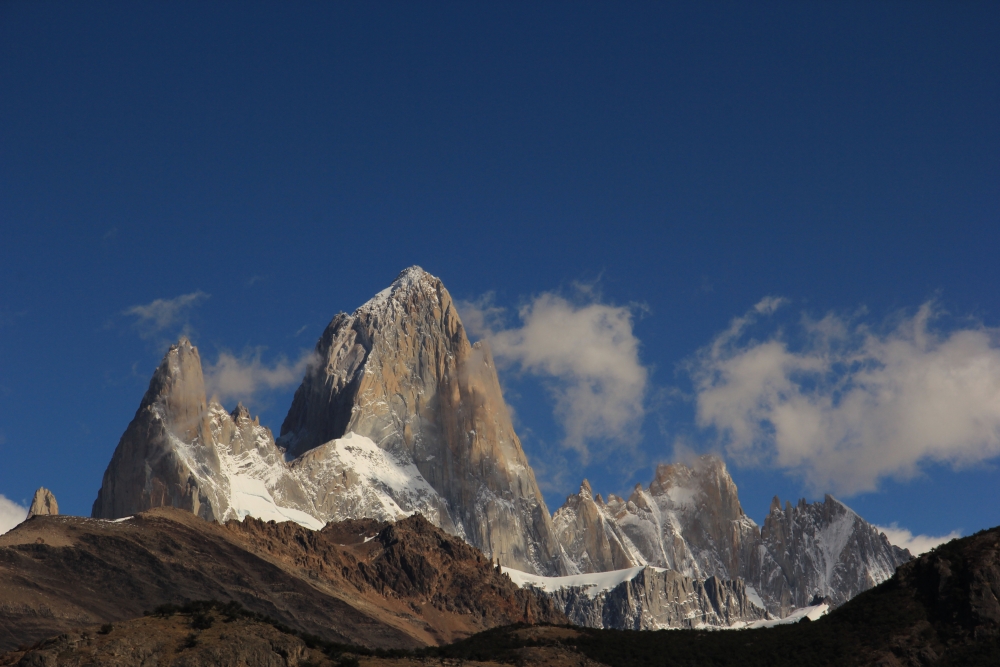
column 401, row 414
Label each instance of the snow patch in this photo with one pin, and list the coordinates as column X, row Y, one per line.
column 755, row 597
column 249, row 497
column 813, row 613
column 595, row 583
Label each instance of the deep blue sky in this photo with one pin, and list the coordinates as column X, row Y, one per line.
column 290, row 159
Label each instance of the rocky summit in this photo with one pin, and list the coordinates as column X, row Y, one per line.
column 400, row 414
column 401, row 372
column 43, row 504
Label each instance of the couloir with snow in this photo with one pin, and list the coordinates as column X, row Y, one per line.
column 400, row 414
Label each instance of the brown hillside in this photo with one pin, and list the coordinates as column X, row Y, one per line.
column 359, row 582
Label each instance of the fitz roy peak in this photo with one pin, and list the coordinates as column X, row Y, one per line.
column 400, row 414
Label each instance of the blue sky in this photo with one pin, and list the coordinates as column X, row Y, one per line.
column 819, row 180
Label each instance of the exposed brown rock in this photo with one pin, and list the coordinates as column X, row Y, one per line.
column 366, row 583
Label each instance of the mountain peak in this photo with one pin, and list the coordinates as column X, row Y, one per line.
column 409, row 281
column 401, row 372
column 43, row 504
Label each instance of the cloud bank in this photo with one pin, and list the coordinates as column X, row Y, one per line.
column 917, row 544
column 589, row 354
column 243, row 377
column 11, row 514
column 162, row 314
column 850, row 405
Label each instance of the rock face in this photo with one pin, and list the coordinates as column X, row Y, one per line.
column 689, row 520
column 401, row 371
column 43, row 504
column 648, row 598
column 401, row 415
column 826, row 550
column 367, row 582
column 182, row 451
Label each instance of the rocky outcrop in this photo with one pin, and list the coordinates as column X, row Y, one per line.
column 825, row 550
column 657, row 599
column 689, row 520
column 591, row 537
column 43, row 504
column 400, row 414
column 372, row 583
column 181, row 450
column 400, row 371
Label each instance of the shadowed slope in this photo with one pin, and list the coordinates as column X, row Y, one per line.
column 402, row 585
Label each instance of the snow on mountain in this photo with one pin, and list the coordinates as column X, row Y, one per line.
column 592, row 584
column 404, row 415
column 646, row 598
column 826, row 550
column 401, row 371
column 689, row 520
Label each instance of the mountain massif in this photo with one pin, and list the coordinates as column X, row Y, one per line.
column 400, row 414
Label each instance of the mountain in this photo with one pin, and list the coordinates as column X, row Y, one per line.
column 400, row 415
column 689, row 520
column 376, row 584
column 826, row 550
column 400, row 371
column 181, row 450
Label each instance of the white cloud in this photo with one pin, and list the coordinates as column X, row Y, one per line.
column 11, row 514
column 917, row 544
column 161, row 314
column 242, row 377
column 850, row 405
column 588, row 351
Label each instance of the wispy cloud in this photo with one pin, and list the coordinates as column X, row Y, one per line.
column 11, row 514
column 589, row 354
column 917, row 544
column 243, row 377
column 852, row 405
column 162, row 314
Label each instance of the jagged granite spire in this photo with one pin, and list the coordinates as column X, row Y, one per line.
column 181, row 450
column 43, row 504
column 690, row 520
column 401, row 415
column 400, row 370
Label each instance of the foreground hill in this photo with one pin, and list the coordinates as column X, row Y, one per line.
column 401, row 585
column 939, row 610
